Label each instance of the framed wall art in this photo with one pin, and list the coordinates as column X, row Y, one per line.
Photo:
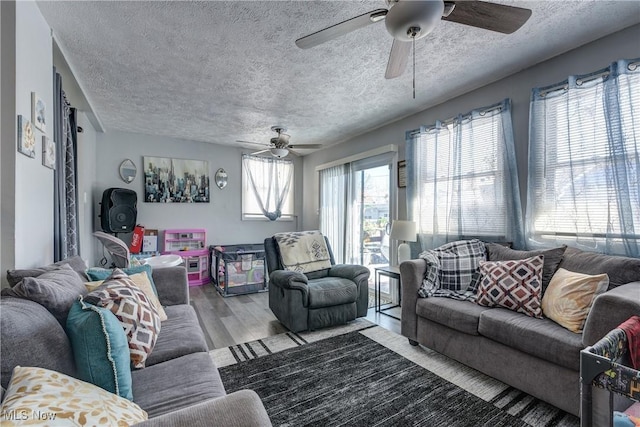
column 402, row 174
column 26, row 137
column 48, row 153
column 38, row 112
column 168, row 180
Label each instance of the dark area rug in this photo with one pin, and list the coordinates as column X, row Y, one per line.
column 352, row 380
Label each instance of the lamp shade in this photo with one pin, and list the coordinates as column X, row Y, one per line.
column 403, row 230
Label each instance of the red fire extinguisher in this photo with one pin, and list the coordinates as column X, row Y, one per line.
column 136, row 239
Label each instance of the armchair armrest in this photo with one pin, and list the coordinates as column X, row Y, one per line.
column 172, row 285
column 290, row 280
column 240, row 409
column 609, row 310
column 411, row 274
column 350, row 271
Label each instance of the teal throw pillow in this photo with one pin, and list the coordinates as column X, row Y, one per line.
column 95, row 273
column 100, row 348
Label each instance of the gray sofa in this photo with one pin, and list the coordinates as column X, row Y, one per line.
column 180, row 384
column 537, row 356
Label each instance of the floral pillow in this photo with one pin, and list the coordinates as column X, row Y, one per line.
column 515, row 284
column 48, row 397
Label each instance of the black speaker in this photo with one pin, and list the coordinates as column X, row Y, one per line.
column 118, row 213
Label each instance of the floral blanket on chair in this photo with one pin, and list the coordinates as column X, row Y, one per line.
column 303, row 251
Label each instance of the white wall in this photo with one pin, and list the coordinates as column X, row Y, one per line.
column 221, row 217
column 33, row 181
column 585, row 59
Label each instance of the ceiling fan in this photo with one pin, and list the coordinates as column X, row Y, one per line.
column 410, row 20
column 279, row 145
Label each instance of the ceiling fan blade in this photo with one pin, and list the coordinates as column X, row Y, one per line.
column 340, row 29
column 398, row 59
column 490, row 16
column 260, row 152
column 254, row 143
column 305, row 146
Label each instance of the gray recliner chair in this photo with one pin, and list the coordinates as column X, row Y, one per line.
column 317, row 299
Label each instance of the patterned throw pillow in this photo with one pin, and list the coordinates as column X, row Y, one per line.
column 142, row 281
column 455, row 264
column 138, row 316
column 552, row 258
column 569, row 297
column 40, row 394
column 516, row 285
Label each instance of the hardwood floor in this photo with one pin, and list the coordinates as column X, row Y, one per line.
column 237, row 319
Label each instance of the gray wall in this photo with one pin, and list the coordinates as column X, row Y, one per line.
column 87, row 186
column 33, row 188
column 221, row 217
column 585, row 59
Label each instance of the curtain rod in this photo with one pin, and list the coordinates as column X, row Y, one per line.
column 454, row 119
column 603, row 74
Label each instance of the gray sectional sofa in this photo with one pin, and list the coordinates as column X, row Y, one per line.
column 537, row 356
column 180, row 384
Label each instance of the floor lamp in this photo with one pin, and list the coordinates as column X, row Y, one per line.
column 404, row 231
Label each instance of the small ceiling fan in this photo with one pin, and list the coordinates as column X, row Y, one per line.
column 410, row 20
column 279, row 145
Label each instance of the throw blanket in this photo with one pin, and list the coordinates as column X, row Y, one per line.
column 303, row 251
column 632, row 329
column 452, row 270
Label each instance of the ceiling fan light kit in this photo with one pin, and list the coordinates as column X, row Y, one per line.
column 406, row 16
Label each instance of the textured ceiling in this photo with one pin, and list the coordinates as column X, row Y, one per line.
column 222, row 71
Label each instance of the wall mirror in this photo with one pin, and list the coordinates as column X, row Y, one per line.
column 128, row 170
column 221, row 178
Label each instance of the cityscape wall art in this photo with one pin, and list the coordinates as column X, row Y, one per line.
column 168, row 180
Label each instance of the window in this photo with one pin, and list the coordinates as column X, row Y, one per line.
column 462, row 179
column 584, row 173
column 267, row 188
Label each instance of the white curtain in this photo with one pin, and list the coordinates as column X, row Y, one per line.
column 462, row 180
column 334, row 182
column 267, row 186
column 584, row 162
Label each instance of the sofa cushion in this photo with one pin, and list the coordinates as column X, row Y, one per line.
column 35, row 390
column 136, row 314
column 76, row 263
column 100, row 348
column 542, row 338
column 462, row 316
column 180, row 335
column 177, row 383
column 330, row 291
column 515, row 285
column 552, row 258
column 569, row 297
column 620, row 269
column 56, row 290
column 31, row 336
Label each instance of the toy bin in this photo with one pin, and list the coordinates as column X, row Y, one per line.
column 238, row 269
